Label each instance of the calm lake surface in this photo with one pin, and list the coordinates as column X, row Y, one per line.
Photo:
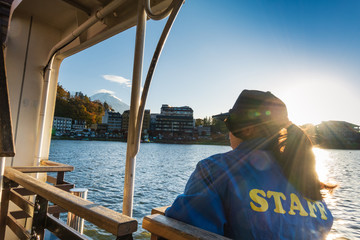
column 163, row 170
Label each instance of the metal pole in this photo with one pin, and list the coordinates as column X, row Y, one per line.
column 134, row 107
column 176, row 5
column 74, row 221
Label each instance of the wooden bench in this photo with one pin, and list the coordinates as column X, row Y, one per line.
column 162, row 227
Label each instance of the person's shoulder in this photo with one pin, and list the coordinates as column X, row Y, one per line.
column 217, row 158
column 222, row 160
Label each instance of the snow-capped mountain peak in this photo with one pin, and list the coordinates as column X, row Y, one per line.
column 113, row 101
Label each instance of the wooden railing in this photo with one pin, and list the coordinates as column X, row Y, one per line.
column 18, row 184
column 162, row 227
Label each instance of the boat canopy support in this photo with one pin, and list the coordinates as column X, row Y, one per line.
column 98, row 16
column 137, row 107
column 53, row 62
column 50, row 75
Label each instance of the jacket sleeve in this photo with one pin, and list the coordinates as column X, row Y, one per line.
column 200, row 205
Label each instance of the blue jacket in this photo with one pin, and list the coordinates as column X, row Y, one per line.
column 243, row 194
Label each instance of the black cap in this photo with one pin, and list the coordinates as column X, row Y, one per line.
column 254, row 108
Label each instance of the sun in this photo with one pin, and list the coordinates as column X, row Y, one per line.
column 309, row 102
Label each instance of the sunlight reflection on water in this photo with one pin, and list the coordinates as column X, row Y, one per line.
column 341, row 167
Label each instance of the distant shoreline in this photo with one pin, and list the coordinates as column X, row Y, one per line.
column 196, row 142
column 193, row 142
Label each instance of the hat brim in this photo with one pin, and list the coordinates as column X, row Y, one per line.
column 221, row 116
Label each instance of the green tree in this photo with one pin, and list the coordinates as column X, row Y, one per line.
column 79, row 107
column 198, row 122
column 207, row 122
column 218, row 126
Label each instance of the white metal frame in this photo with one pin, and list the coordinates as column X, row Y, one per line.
column 137, row 107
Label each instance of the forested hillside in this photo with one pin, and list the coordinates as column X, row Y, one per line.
column 78, row 107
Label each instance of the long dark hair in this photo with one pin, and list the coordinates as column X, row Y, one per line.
column 292, row 149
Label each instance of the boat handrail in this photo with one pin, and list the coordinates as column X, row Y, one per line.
column 107, row 219
column 162, row 227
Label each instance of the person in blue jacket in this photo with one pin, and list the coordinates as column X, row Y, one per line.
column 266, row 187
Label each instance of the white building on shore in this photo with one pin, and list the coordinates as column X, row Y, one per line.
column 62, row 124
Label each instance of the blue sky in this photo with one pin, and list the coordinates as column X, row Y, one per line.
column 305, row 52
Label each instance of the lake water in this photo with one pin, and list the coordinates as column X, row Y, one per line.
column 163, row 170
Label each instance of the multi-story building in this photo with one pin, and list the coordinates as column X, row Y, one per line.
column 146, row 122
column 203, row 131
column 125, row 121
column 338, row 134
column 62, row 124
column 152, row 126
column 79, row 125
column 175, row 122
column 113, row 120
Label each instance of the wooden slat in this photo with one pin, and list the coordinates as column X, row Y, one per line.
column 65, row 187
column 51, row 179
column 54, row 209
column 19, row 214
column 104, row 218
column 159, row 210
column 24, row 204
column 61, row 230
column 23, row 192
column 19, row 230
column 55, row 164
column 42, row 169
column 175, row 230
column 46, row 166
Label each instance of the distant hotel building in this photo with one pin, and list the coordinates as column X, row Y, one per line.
column 79, row 125
column 113, row 120
column 146, row 121
column 125, row 121
column 62, row 124
column 175, row 122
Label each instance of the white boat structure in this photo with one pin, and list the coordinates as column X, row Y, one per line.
column 36, row 35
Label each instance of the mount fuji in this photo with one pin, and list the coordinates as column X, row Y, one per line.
column 113, row 101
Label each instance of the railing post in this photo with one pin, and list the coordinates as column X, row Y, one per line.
column 4, row 207
column 39, row 219
column 74, row 221
column 60, row 178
